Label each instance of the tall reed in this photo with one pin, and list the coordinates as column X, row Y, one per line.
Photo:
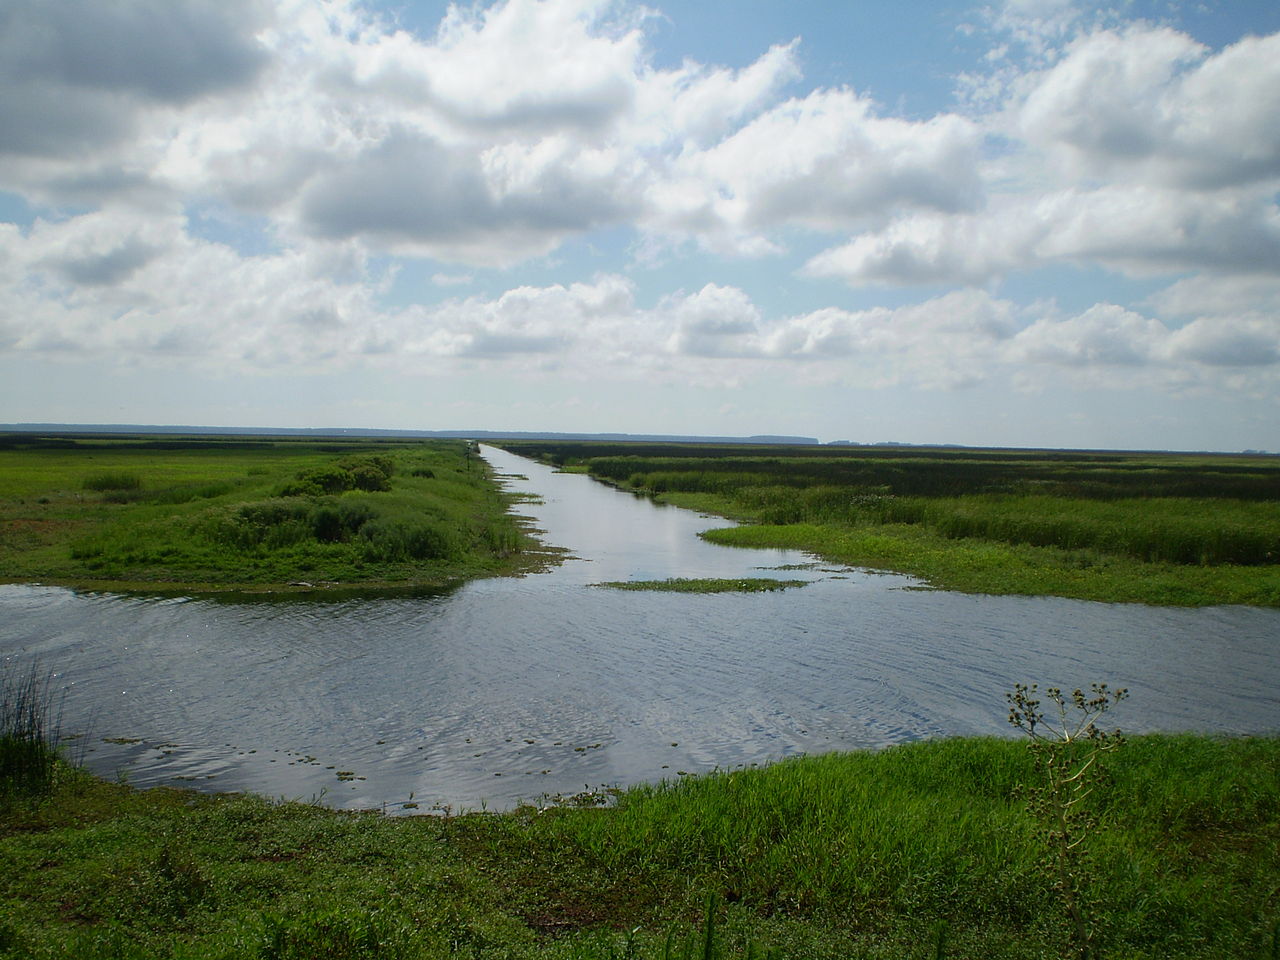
column 29, row 733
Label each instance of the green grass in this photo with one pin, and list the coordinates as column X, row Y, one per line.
column 866, row 854
column 252, row 514
column 705, row 585
column 1151, row 528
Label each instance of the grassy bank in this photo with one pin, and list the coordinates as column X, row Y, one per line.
column 1152, row 528
column 845, row 855
column 207, row 513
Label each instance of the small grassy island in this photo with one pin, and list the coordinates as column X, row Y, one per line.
column 248, row 513
column 704, row 585
column 1177, row 529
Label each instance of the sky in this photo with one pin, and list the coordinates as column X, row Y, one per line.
column 1028, row 223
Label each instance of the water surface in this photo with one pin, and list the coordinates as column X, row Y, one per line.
column 509, row 689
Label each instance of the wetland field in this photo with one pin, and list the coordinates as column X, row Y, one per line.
column 645, row 744
column 1178, row 529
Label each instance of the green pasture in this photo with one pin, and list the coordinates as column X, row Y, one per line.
column 251, row 513
column 1156, row 528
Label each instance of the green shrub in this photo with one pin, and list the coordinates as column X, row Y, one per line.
column 321, row 480
column 103, row 482
column 391, row 541
column 371, row 474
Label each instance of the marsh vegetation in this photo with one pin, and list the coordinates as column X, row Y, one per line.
column 1156, row 528
column 257, row 513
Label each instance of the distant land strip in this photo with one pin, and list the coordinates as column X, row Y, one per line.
column 131, row 428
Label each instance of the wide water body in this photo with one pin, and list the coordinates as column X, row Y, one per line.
column 511, row 689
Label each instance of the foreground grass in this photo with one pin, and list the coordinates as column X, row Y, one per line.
column 1150, row 528
column 844, row 855
column 150, row 513
column 704, row 585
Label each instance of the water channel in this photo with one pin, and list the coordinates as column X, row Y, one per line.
column 513, row 689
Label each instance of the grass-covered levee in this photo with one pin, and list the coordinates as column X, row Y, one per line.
column 925, row 850
column 1160, row 528
column 153, row 513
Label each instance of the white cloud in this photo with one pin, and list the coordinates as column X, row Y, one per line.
column 517, row 126
column 925, row 249
column 416, row 196
column 714, row 322
column 1229, row 342
column 1129, row 229
column 82, row 286
column 826, row 162
column 1224, row 295
column 542, row 66
column 554, row 320
column 139, row 289
column 1103, row 336
column 697, row 104
column 1150, row 104
column 1038, row 25
column 74, row 76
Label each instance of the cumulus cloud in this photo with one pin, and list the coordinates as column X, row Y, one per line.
column 1151, row 104
column 516, row 126
column 930, row 249
column 534, row 66
column 116, row 284
column 1209, row 294
column 554, row 320
column 698, row 104
column 714, row 322
column 78, row 76
column 1135, row 230
column 141, row 289
column 828, row 162
column 1129, row 146
column 1231, row 342
column 1104, row 335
